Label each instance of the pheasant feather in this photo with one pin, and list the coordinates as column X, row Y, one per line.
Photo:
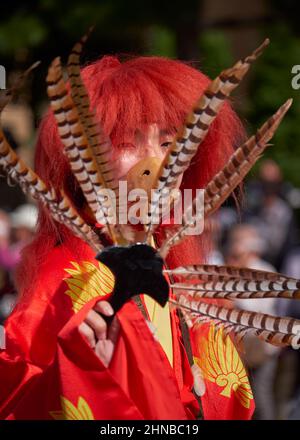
column 191, row 135
column 241, row 322
column 243, row 289
column 99, row 143
column 230, row 282
column 58, row 204
column 241, row 162
column 7, row 94
column 76, row 145
column 222, row 185
column 200, row 270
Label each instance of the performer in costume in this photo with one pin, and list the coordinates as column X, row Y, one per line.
column 63, row 359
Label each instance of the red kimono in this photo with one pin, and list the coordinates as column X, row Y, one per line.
column 48, row 370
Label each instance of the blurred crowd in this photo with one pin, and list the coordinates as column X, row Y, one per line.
column 18, row 214
column 16, row 231
column 261, row 233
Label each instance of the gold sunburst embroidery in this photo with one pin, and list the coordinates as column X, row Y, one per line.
column 88, row 281
column 71, row 412
column 221, row 364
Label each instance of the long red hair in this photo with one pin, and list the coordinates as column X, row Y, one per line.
column 126, row 96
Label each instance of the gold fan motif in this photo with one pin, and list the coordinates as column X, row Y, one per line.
column 88, row 281
column 222, row 365
column 71, row 412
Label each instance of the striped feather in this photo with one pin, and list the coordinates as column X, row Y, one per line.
column 68, row 215
column 222, row 185
column 100, row 144
column 275, row 338
column 194, row 131
column 7, row 94
column 242, row 289
column 227, row 284
column 72, row 136
column 17, row 169
column 200, row 270
column 57, row 203
column 239, row 332
column 76, row 145
column 189, row 219
column 285, row 331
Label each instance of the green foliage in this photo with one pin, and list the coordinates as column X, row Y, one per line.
column 215, row 52
column 161, row 41
column 270, row 87
column 21, row 30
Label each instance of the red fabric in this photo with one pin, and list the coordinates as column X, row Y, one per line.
column 76, row 371
column 47, row 358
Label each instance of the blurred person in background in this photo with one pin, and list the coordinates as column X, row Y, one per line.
column 16, row 232
column 245, row 248
column 213, row 228
column 288, row 382
column 11, row 196
column 24, row 220
column 270, row 212
column 5, row 225
column 6, row 287
column 22, row 227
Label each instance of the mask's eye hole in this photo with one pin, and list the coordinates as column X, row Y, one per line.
column 166, row 144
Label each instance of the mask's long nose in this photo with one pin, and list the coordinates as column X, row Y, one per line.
column 143, row 174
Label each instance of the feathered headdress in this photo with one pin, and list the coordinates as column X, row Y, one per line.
column 139, row 267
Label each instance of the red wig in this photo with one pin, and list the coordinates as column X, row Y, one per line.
column 127, row 96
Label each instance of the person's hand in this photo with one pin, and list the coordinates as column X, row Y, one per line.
column 101, row 337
